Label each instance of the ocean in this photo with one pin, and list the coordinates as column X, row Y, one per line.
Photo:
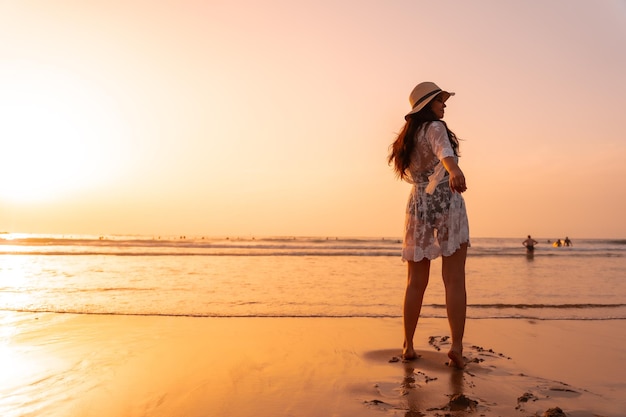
column 301, row 277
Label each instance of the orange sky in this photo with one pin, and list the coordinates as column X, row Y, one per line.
column 275, row 117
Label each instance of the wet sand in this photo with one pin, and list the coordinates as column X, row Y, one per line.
column 93, row 365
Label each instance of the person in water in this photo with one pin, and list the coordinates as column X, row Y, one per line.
column 530, row 244
column 425, row 154
column 567, row 242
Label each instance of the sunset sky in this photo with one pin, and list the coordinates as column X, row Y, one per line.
column 275, row 117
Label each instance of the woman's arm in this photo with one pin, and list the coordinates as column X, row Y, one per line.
column 457, row 179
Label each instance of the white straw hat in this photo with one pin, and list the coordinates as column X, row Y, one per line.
column 422, row 94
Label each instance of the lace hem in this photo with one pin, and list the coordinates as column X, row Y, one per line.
column 416, row 254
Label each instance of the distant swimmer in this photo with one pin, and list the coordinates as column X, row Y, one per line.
column 530, row 244
column 557, row 243
column 567, row 242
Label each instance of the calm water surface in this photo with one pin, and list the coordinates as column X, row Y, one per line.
column 301, row 277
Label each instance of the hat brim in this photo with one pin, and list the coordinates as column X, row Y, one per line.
column 446, row 95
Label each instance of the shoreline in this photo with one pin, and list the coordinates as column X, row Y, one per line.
column 90, row 365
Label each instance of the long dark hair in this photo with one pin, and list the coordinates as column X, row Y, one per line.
column 402, row 148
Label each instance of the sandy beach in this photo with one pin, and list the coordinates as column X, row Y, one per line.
column 106, row 365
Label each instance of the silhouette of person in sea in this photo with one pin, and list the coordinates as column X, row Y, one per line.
column 567, row 242
column 558, row 243
column 530, row 244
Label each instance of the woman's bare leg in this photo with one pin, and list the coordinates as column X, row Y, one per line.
column 453, row 271
column 418, row 273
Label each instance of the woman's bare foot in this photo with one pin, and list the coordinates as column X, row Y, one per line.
column 456, row 359
column 408, row 353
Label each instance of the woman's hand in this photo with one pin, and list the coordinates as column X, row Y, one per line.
column 457, row 179
column 457, row 182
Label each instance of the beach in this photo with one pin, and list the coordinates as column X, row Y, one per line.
column 113, row 365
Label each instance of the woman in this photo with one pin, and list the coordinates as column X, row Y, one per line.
column 425, row 154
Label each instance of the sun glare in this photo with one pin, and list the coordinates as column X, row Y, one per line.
column 59, row 133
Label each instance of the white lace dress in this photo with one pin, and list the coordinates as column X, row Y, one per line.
column 436, row 219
